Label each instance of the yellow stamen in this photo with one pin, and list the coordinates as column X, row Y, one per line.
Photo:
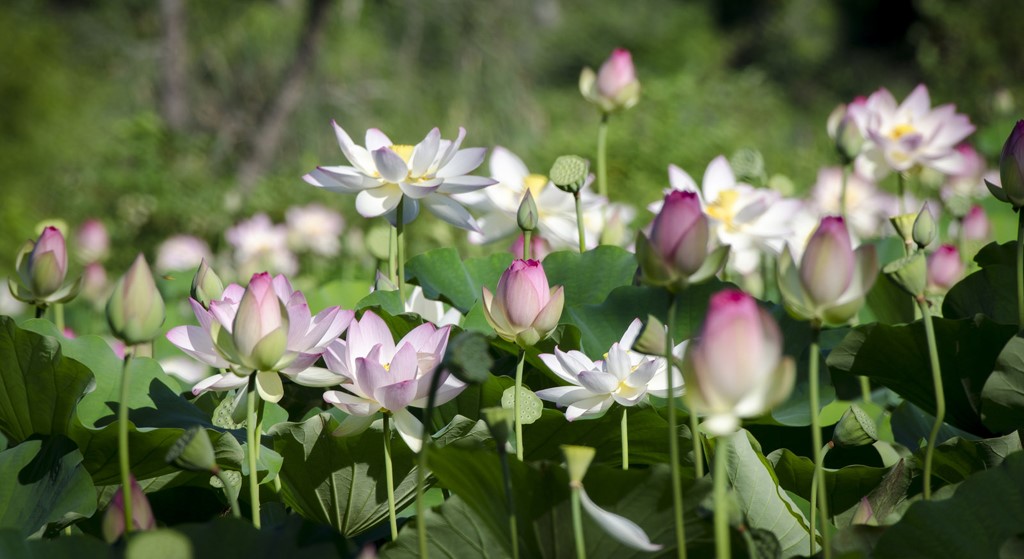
column 535, row 183
column 901, row 130
column 403, row 150
column 723, row 208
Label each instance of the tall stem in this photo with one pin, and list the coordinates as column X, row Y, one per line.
column 865, row 389
column 58, row 317
column 232, row 496
column 579, row 223
column 901, row 188
column 940, row 398
column 698, row 448
column 602, row 156
column 845, row 177
column 817, row 488
column 421, row 469
column 720, row 480
column 122, row 444
column 624, row 427
column 389, row 476
column 515, row 405
column 526, row 244
column 393, row 255
column 673, row 435
column 400, row 243
column 253, row 444
column 510, row 502
column 1020, row 269
column 577, row 521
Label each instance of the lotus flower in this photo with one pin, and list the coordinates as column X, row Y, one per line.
column 261, row 245
column 266, row 329
column 42, row 267
column 868, row 208
column 976, row 226
column 676, row 251
column 314, row 228
column 377, row 374
column 1011, row 169
column 92, row 241
column 181, row 252
column 135, row 311
column 614, row 87
column 525, row 309
column 832, row 279
column 945, row 268
column 142, row 513
column 736, row 368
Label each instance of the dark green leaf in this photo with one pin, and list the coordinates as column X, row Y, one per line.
column 1002, row 398
column 845, row 486
column 958, row 458
column 589, row 277
column 446, row 276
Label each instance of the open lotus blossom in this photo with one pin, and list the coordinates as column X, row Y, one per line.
column 525, row 308
column 314, row 228
column 624, row 377
column 181, row 252
column 378, row 374
column 383, row 173
column 260, row 244
column 901, row 137
column 868, row 208
column 266, row 329
column 832, row 279
column 556, row 209
column 750, row 220
column 92, row 242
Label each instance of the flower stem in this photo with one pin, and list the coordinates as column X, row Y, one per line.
column 721, row 498
column 579, row 223
column 698, row 448
column 845, row 177
column 510, row 503
column 901, row 188
column 865, row 389
column 577, row 520
column 390, row 477
column 122, row 444
column 817, row 488
column 673, row 435
column 393, row 255
column 400, row 243
column 602, row 156
column 253, row 444
column 940, row 398
column 58, row 317
column 421, row 469
column 515, row 405
column 1020, row 269
column 40, row 309
column 625, row 438
column 817, row 479
column 526, row 244
column 232, row 496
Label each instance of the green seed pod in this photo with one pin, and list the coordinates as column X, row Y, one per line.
column 569, row 173
column 855, row 428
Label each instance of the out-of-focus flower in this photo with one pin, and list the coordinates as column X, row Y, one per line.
column 94, row 283
column 42, row 268
column 736, row 368
column 266, row 329
column 911, row 134
column 614, row 87
column 675, row 252
column 135, row 311
column 524, row 310
column 624, row 376
column 867, row 207
column 383, row 173
column 10, row 306
column 976, row 226
column 556, row 209
column 314, row 228
column 960, row 190
column 539, row 247
column 142, row 513
column 261, row 245
column 750, row 220
column 377, row 374
column 181, row 252
column 945, row 268
column 432, row 311
column 92, row 242
column 846, row 126
column 187, row 370
column 832, row 279
column 1011, row 169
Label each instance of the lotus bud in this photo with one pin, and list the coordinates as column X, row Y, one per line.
column 527, row 217
column 142, row 513
column 569, row 173
column 828, row 262
column 924, row 227
column 864, row 513
column 499, row 422
column 855, row 428
column 845, row 132
column 45, row 264
column 206, row 285
column 945, row 268
column 260, row 330
column 468, row 357
column 135, row 310
column 615, row 86
column 904, row 226
column 539, row 247
column 910, row 273
column 680, row 233
column 651, row 339
column 94, row 283
column 92, row 241
column 524, row 309
column 577, row 461
column 193, row 451
column 976, row 226
column 1011, row 169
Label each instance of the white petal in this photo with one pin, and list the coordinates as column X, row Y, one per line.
column 465, row 184
column 451, row 211
column 463, row 162
column 681, row 180
column 425, row 153
column 339, row 179
column 619, row 527
column 317, row 377
column 390, row 165
column 717, row 177
column 410, row 429
column 376, row 139
column 378, row 201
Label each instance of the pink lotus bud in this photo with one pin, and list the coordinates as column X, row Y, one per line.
column 524, row 309
column 92, row 241
column 616, row 73
column 539, row 247
column 945, row 267
column 135, row 311
column 94, row 282
column 260, row 329
column 828, row 263
column 1011, row 168
column 976, row 226
column 142, row 513
column 680, row 232
column 47, row 265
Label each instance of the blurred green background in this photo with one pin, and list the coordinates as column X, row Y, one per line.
column 170, row 116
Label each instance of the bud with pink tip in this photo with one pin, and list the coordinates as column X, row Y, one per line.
column 92, row 241
column 42, row 267
column 614, row 86
column 260, row 329
column 945, row 268
column 142, row 513
column 525, row 309
column 135, row 311
column 675, row 253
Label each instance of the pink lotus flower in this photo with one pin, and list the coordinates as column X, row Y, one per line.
column 142, row 513
column 92, row 241
column 945, row 268
column 736, row 368
column 680, row 232
column 976, row 226
column 46, row 266
column 377, row 374
column 615, row 86
column 265, row 329
column 181, row 252
column 525, row 309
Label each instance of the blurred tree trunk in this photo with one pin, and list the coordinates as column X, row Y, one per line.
column 273, row 122
column 173, row 73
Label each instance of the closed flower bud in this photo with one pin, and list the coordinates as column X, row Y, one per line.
column 945, row 268
column 142, row 513
column 260, row 329
column 135, row 310
column 680, row 232
column 828, row 263
column 527, row 216
column 524, row 309
column 924, row 227
column 855, row 428
column 569, row 173
column 46, row 265
column 845, row 130
column 193, row 451
column 615, row 86
column 976, row 226
column 206, row 285
column 1011, row 169
column 92, row 241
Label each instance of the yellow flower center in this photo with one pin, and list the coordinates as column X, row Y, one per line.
column 724, row 207
column 901, row 130
column 535, row 183
column 387, row 367
column 403, row 150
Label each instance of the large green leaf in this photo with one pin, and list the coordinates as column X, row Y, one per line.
column 44, row 481
column 897, row 357
column 991, row 291
column 446, row 276
column 454, row 530
column 845, row 486
column 986, row 510
column 1002, row 398
column 589, row 277
column 39, row 386
column 956, row 459
column 889, row 303
column 14, row 545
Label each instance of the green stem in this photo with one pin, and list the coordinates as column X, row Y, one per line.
column 865, row 389
column 389, row 474
column 400, row 242
column 673, row 435
column 253, row 444
column 58, row 317
column 901, row 188
column 624, row 426
column 940, row 398
column 579, row 224
column 122, row 444
column 526, row 244
column 721, row 499
column 602, row 156
column 40, row 310
column 510, row 503
column 421, row 469
column 393, row 255
column 698, row 447
column 515, row 405
column 842, row 190
column 817, row 488
column 232, row 497
column 577, row 521
column 1020, row 269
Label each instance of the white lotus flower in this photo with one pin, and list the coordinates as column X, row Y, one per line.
column 430, row 310
column 314, row 228
column 383, row 173
column 261, row 245
column 868, row 208
column 181, row 252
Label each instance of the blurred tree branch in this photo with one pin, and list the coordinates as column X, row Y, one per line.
column 173, row 72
